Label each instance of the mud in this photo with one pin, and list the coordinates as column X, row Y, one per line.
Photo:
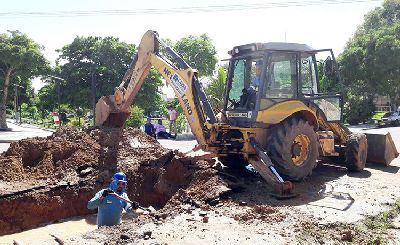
column 43, row 180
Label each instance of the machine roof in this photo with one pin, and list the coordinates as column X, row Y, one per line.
column 280, row 46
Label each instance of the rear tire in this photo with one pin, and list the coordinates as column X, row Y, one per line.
column 356, row 152
column 293, row 148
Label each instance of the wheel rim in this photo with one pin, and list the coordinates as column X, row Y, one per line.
column 300, row 149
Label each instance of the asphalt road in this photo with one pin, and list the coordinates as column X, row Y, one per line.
column 19, row 132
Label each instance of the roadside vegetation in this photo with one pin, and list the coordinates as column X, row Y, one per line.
column 373, row 230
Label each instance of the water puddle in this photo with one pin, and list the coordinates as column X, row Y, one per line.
column 43, row 235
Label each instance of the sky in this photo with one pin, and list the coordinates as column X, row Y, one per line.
column 318, row 23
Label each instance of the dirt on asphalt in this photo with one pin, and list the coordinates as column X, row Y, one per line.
column 198, row 201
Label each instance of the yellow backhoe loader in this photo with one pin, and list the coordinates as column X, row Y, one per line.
column 274, row 116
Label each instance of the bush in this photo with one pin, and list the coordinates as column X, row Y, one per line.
column 136, row 119
column 74, row 122
column 181, row 123
column 358, row 109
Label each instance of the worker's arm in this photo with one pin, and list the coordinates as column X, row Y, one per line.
column 129, row 205
column 97, row 199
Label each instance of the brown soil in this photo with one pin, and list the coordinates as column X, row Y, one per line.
column 46, row 179
column 43, row 180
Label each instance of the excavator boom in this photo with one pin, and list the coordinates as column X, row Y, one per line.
column 113, row 110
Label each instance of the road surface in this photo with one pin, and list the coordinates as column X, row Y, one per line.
column 19, row 132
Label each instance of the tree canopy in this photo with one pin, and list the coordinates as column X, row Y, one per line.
column 370, row 63
column 22, row 58
column 105, row 60
column 199, row 52
column 215, row 90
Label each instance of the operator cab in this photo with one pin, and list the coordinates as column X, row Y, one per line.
column 261, row 75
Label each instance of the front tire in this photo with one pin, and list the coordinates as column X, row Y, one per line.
column 356, row 152
column 293, row 148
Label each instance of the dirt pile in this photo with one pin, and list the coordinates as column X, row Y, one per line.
column 52, row 178
column 260, row 212
column 53, row 158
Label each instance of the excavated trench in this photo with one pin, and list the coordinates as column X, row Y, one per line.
column 43, row 180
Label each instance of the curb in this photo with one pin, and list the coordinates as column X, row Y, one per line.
column 29, row 126
column 5, row 129
column 8, row 141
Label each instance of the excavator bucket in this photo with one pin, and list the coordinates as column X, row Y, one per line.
column 108, row 115
column 381, row 148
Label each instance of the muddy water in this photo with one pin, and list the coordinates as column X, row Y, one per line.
column 63, row 230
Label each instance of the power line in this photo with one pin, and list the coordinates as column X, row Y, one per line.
column 182, row 10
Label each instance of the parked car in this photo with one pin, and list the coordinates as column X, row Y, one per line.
column 391, row 118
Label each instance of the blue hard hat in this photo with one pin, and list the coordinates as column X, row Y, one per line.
column 120, row 176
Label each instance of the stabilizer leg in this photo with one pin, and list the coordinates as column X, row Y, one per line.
column 264, row 166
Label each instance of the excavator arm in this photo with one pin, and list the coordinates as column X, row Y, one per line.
column 113, row 110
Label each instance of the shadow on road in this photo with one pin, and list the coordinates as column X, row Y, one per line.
column 255, row 191
column 387, row 169
column 361, row 175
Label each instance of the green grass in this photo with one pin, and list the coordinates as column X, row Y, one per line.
column 383, row 221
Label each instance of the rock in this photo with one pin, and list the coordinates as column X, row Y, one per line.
column 196, row 204
column 202, row 213
column 205, row 219
column 86, row 172
column 242, row 203
column 346, row 236
column 124, row 236
column 147, row 233
column 214, row 201
column 164, row 215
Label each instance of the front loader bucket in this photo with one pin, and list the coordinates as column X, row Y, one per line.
column 381, row 148
column 107, row 114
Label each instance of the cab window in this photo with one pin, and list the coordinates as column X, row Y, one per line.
column 282, row 76
column 308, row 76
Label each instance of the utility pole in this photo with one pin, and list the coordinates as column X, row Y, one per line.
column 16, row 104
column 58, row 88
column 92, row 65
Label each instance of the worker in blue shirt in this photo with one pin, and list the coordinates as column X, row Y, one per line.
column 149, row 128
column 256, row 81
column 109, row 207
column 248, row 97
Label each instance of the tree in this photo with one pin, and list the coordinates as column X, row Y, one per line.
column 136, row 119
column 370, row 63
column 46, row 99
column 19, row 55
column 215, row 90
column 328, row 84
column 105, row 60
column 199, row 52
